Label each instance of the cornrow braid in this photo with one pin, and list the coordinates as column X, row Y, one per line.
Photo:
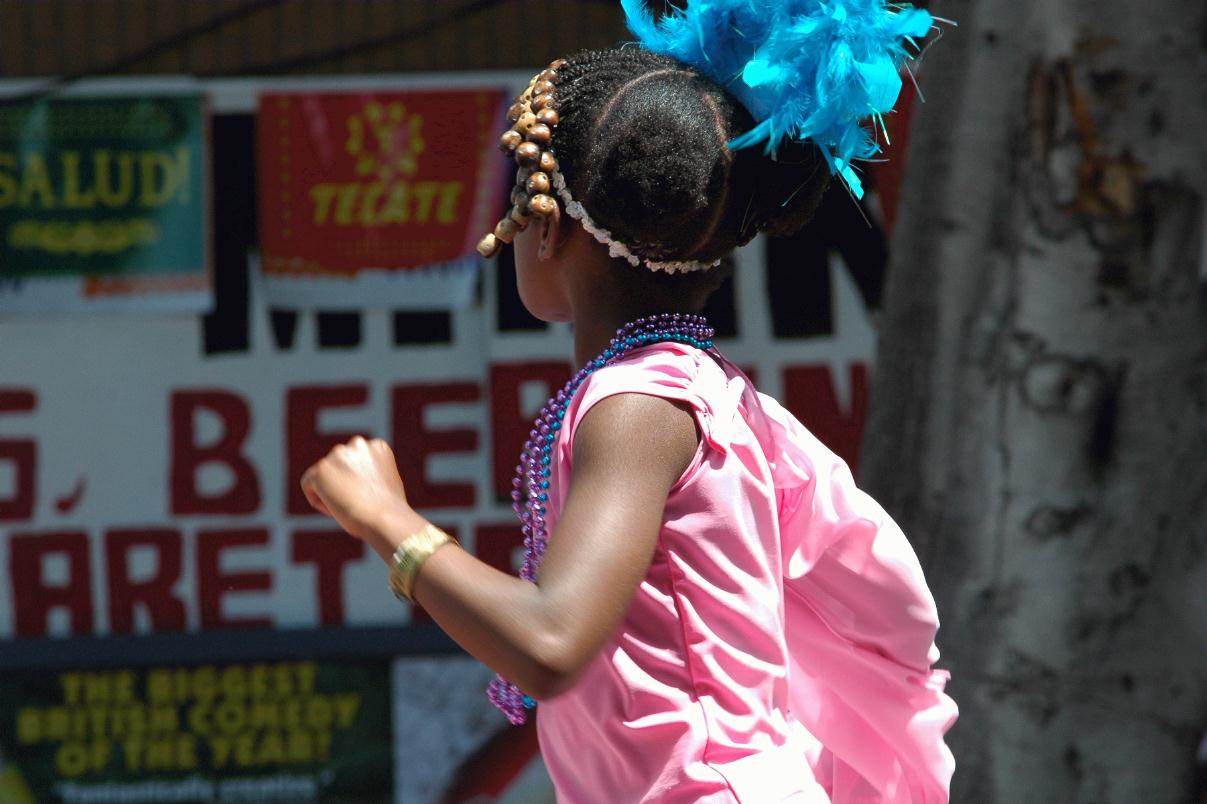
column 641, row 142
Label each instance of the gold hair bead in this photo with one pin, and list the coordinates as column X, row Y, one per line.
column 548, row 163
column 542, row 87
column 519, row 195
column 517, row 109
column 542, row 102
column 540, row 133
column 510, row 139
column 520, row 216
column 547, row 75
column 506, row 230
column 528, row 154
column 526, row 122
column 547, row 116
column 538, row 183
column 557, row 65
column 543, row 205
column 488, row 246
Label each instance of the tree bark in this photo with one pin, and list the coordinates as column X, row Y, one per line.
column 1039, row 417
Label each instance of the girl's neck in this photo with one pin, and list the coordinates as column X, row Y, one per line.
column 595, row 330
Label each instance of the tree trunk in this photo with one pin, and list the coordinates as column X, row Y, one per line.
column 1039, row 417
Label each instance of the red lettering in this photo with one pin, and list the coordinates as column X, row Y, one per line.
column 23, row 455
column 34, row 598
column 305, row 444
column 510, row 421
column 329, row 551
column 164, row 609
column 243, row 496
column 413, row 443
column 499, row 546
column 809, row 394
column 213, row 583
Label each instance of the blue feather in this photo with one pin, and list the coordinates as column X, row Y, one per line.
column 806, row 69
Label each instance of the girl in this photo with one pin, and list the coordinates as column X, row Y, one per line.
column 709, row 610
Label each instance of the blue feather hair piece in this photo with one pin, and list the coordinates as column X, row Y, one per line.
column 805, row 69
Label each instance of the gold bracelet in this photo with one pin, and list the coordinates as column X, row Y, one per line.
column 410, row 555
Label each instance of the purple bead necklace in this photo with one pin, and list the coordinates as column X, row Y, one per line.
column 530, row 492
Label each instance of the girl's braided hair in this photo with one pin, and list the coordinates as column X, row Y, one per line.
column 641, row 142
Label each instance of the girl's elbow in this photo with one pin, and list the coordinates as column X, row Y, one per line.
column 556, row 666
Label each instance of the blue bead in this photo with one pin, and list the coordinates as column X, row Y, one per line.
column 599, row 362
column 608, row 353
column 543, row 497
column 545, row 472
column 529, row 703
column 544, row 484
column 555, row 426
column 550, row 437
column 546, row 449
column 545, row 461
column 561, row 414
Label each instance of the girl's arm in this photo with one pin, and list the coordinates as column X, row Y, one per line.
column 629, row 451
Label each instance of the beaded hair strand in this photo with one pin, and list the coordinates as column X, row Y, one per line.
column 637, row 154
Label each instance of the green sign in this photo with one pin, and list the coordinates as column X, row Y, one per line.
column 103, row 187
column 299, row 731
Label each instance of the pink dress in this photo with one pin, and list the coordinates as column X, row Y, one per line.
column 781, row 645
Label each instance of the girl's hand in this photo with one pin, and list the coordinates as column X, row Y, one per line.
column 358, row 485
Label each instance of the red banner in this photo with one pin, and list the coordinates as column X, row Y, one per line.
column 385, row 180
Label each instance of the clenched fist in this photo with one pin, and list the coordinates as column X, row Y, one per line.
column 358, row 485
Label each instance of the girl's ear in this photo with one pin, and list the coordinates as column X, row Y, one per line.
column 551, row 234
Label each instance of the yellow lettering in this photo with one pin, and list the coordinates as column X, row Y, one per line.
column 230, row 716
column 307, row 672
column 446, row 207
column 322, row 195
column 109, row 194
column 35, row 180
column 186, row 751
column 368, row 203
column 264, row 716
column 164, row 719
column 159, row 755
column 8, row 182
column 395, row 210
column 72, row 197
column 71, row 684
column 133, row 751
column 158, row 175
column 346, row 707
column 272, row 749
column 346, row 204
column 199, row 719
column 300, row 747
column 221, row 749
column 159, row 686
column 71, row 760
column 425, row 195
column 234, row 681
column 29, row 725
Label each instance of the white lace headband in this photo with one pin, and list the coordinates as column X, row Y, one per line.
column 534, row 117
column 616, row 248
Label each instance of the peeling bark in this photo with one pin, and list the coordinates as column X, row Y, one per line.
column 1039, row 416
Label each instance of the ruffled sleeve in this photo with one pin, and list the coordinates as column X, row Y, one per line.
column 861, row 626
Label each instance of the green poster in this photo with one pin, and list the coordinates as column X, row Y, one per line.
column 103, row 187
column 298, row 731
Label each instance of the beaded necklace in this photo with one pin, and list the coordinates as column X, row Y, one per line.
column 530, row 488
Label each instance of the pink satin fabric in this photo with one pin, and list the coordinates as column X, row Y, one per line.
column 781, row 645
